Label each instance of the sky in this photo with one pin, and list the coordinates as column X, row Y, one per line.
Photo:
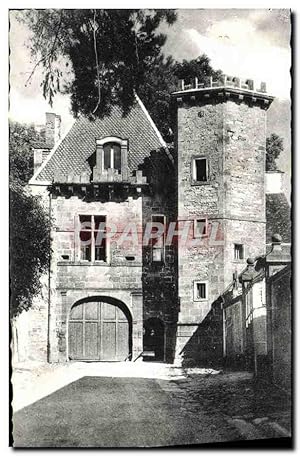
column 241, row 42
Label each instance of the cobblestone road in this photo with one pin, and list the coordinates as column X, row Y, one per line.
column 147, row 405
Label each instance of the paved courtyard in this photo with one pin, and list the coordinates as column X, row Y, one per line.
column 143, row 404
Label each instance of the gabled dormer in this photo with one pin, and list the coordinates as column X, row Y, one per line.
column 111, row 160
column 104, row 156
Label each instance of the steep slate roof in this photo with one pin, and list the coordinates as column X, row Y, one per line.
column 278, row 215
column 79, row 144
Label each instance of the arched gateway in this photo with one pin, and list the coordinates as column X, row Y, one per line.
column 100, row 329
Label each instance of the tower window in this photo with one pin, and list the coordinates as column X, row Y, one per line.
column 200, row 291
column 238, row 251
column 200, row 228
column 199, row 170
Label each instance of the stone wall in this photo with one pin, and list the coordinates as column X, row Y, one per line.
column 160, row 293
column 253, row 237
column 244, row 161
column 231, row 134
column 72, row 280
column 280, row 328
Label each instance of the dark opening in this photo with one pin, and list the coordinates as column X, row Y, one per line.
column 201, row 290
column 200, row 169
column 200, row 228
column 153, row 340
column 238, row 251
column 158, row 243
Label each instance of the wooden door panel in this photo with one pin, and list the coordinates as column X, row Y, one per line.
column 108, row 341
column 76, row 312
column 91, row 310
column 108, row 312
column 91, row 347
column 98, row 331
column 76, row 340
column 122, row 341
column 121, row 315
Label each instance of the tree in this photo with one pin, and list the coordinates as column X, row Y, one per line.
column 21, row 138
column 109, row 52
column 274, row 147
column 29, row 224
column 162, row 79
column 112, row 54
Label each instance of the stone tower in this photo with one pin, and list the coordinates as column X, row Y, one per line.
column 220, row 138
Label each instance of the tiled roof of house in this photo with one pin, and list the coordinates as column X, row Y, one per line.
column 278, row 215
column 41, row 145
column 72, row 154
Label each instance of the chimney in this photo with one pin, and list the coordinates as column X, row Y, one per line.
column 53, row 122
column 273, row 181
column 41, row 150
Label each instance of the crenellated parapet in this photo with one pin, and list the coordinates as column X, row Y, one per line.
column 223, row 87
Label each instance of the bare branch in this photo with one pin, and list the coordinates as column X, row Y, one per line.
column 48, row 56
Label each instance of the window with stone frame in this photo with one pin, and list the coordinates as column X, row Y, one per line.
column 200, row 228
column 200, row 290
column 158, row 243
column 111, row 159
column 238, row 251
column 92, row 238
column 200, row 169
column 112, row 156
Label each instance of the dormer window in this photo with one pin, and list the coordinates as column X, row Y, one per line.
column 111, row 159
column 112, row 156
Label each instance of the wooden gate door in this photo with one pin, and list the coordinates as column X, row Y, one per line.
column 98, row 331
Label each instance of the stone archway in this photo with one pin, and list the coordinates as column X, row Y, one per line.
column 100, row 329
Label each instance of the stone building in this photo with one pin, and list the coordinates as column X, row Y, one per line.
column 221, row 140
column 116, row 174
column 115, row 179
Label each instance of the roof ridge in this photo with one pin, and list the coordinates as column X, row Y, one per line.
column 144, row 109
column 156, row 130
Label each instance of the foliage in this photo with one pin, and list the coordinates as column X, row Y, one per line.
column 21, row 138
column 29, row 224
column 162, row 79
column 112, row 53
column 274, row 147
column 109, row 51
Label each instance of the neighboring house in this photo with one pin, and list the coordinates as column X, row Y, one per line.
column 113, row 300
column 258, row 317
column 257, row 311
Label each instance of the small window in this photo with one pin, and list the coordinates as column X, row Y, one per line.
column 158, row 244
column 238, row 251
column 200, row 291
column 200, row 173
column 200, row 228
